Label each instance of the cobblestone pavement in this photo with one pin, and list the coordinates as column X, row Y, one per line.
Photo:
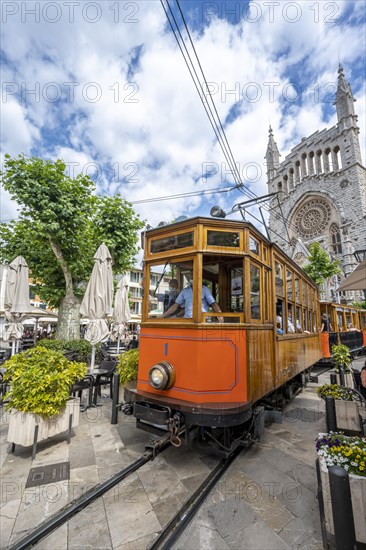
column 266, row 500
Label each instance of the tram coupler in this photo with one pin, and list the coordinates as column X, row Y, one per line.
column 126, row 408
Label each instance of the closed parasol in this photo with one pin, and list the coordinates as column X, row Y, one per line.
column 121, row 311
column 97, row 302
column 16, row 299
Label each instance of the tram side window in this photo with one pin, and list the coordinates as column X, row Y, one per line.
column 289, row 285
column 255, row 292
column 279, row 279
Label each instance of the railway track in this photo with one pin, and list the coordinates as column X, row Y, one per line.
column 79, row 504
column 175, row 527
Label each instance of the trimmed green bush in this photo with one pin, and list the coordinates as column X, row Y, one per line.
column 81, row 348
column 41, row 380
column 127, row 366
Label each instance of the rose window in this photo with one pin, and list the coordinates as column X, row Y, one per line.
column 312, row 218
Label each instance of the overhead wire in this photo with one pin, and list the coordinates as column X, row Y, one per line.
column 242, row 188
column 218, row 129
column 193, row 73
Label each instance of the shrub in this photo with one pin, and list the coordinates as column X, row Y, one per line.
column 338, row 392
column 80, row 349
column 341, row 357
column 41, row 380
column 340, row 450
column 127, row 366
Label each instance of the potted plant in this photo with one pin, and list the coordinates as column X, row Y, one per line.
column 127, row 366
column 347, row 406
column 342, row 358
column 40, row 382
column 336, row 449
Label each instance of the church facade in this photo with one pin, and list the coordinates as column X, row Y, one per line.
column 321, row 188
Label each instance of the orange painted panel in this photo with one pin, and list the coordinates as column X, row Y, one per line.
column 325, row 344
column 364, row 337
column 210, row 365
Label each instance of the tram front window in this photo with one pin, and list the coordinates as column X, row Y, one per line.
column 166, row 282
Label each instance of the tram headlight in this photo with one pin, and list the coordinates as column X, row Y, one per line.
column 162, row 376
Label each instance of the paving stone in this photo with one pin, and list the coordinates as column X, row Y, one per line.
column 298, row 535
column 227, row 516
column 89, row 529
column 81, row 456
column 256, row 536
column 40, row 502
column 8, row 514
column 139, row 544
column 105, row 438
column 162, row 482
column 82, row 480
column 192, row 483
column 201, row 538
column 185, row 463
column 131, row 517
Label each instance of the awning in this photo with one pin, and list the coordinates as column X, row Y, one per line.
column 355, row 281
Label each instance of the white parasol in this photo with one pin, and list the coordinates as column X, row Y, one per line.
column 97, row 302
column 16, row 300
column 121, row 311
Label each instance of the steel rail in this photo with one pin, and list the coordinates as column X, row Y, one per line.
column 82, row 502
column 179, row 522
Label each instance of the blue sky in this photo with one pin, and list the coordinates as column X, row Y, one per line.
column 103, row 85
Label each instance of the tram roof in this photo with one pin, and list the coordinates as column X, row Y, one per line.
column 209, row 221
column 220, row 222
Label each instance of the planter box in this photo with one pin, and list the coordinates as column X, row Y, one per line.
column 358, row 495
column 348, row 415
column 22, row 425
column 348, row 380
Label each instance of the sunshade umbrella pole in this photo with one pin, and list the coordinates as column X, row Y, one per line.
column 92, row 360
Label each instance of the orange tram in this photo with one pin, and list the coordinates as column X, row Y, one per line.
column 215, row 368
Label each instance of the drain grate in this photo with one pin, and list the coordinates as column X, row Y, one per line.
column 52, row 473
column 305, row 415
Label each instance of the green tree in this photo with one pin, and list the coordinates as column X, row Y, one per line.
column 320, row 266
column 62, row 221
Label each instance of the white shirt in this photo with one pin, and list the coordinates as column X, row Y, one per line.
column 290, row 325
column 185, row 300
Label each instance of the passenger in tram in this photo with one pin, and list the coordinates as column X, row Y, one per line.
column 172, row 295
column 185, row 298
column 279, row 320
column 298, row 326
column 290, row 325
column 350, row 327
column 326, row 326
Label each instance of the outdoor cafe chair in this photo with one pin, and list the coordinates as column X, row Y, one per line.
column 104, row 379
column 87, row 383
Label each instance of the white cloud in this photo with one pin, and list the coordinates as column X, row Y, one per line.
column 164, row 139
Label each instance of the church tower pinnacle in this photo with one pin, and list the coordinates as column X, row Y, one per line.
column 344, row 100
column 272, row 156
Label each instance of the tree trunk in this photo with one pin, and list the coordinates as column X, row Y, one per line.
column 68, row 326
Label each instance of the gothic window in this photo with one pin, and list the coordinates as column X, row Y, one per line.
column 312, row 218
column 335, row 237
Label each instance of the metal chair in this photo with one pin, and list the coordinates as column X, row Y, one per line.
column 104, row 379
column 87, row 383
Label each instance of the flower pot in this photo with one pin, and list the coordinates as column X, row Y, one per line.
column 22, row 425
column 358, row 496
column 348, row 415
